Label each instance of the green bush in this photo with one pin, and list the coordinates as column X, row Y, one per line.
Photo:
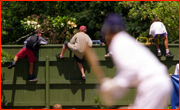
column 57, row 29
column 5, row 56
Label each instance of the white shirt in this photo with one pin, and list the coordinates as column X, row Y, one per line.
column 134, row 62
column 176, row 72
column 157, row 28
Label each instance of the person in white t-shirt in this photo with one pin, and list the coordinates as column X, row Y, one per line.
column 157, row 28
column 137, row 67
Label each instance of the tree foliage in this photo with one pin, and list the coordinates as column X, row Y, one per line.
column 5, row 56
column 138, row 15
column 143, row 13
column 58, row 29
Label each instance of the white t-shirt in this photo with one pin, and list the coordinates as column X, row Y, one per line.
column 176, row 72
column 157, row 28
column 134, row 62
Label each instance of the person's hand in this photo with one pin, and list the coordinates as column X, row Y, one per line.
column 151, row 39
column 102, row 43
column 106, row 91
column 148, row 44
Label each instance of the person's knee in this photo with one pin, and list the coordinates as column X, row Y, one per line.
column 164, row 38
column 80, row 64
column 156, row 40
column 31, row 64
column 15, row 58
column 66, row 43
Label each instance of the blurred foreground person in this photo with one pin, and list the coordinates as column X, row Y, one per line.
column 137, row 67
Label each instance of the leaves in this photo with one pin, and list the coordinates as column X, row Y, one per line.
column 5, row 56
column 138, row 15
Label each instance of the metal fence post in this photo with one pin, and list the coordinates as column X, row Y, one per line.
column 47, row 84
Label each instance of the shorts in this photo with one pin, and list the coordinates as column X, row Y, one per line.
column 30, row 54
column 77, row 59
column 66, row 45
column 161, row 35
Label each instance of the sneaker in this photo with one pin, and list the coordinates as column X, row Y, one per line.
column 83, row 77
column 159, row 54
column 108, row 55
column 33, row 79
column 169, row 54
column 11, row 65
column 58, row 56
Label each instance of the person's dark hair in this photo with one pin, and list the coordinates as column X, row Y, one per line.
column 38, row 31
column 114, row 23
column 82, row 30
column 156, row 19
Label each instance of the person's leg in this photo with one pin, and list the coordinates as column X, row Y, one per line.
column 31, row 59
column 13, row 63
column 81, row 68
column 165, row 42
column 31, row 76
column 31, row 68
column 79, row 62
column 65, row 45
column 63, row 51
column 157, row 46
column 21, row 54
column 165, row 38
column 15, row 58
column 156, row 43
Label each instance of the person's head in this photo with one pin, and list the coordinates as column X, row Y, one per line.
column 113, row 24
column 38, row 32
column 155, row 20
column 83, row 29
column 57, row 106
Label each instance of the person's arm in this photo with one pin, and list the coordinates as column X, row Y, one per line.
column 164, row 28
column 42, row 41
column 151, row 37
column 89, row 42
column 149, row 44
column 25, row 42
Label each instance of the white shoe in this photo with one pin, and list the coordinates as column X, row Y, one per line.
column 108, row 55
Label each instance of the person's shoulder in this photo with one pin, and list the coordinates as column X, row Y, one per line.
column 40, row 37
column 77, row 34
column 87, row 36
column 82, row 34
column 158, row 22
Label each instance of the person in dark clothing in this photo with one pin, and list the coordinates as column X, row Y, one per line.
column 25, row 51
column 101, row 37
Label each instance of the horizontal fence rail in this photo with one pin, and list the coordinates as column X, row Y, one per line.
column 60, row 79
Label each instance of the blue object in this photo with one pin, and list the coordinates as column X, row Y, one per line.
column 175, row 93
column 96, row 41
